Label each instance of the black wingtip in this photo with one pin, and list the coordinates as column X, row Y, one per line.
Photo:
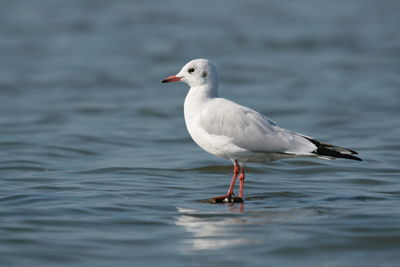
column 353, row 157
column 329, row 150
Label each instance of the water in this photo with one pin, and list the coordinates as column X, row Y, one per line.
column 97, row 168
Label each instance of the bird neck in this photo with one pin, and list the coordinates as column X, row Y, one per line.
column 197, row 97
column 201, row 93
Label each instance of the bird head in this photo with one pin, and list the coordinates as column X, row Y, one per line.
column 197, row 72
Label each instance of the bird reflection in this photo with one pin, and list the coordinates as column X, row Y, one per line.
column 211, row 230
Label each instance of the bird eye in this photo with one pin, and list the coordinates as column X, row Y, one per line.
column 190, row 70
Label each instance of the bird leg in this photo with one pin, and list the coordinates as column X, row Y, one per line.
column 241, row 184
column 229, row 194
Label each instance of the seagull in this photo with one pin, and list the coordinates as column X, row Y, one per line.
column 238, row 133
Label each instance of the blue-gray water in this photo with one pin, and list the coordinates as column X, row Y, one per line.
column 96, row 165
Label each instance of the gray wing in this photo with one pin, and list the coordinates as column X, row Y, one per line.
column 250, row 130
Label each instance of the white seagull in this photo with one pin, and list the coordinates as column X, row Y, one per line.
column 238, row 133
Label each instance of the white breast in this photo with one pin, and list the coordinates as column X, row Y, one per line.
column 218, row 145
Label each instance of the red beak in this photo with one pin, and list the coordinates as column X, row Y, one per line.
column 172, row 78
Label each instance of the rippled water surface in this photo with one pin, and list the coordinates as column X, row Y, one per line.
column 96, row 165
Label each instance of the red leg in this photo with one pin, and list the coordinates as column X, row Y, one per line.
column 233, row 181
column 241, row 185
